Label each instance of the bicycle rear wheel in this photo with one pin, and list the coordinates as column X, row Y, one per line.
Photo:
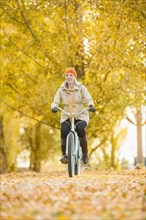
column 78, row 161
column 77, row 168
column 71, row 156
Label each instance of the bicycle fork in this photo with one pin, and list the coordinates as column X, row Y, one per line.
column 74, row 151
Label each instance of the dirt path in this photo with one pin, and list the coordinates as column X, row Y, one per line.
column 95, row 195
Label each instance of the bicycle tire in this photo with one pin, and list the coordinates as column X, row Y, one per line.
column 71, row 156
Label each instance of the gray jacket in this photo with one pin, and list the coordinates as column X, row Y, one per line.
column 73, row 101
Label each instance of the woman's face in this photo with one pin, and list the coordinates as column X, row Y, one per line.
column 70, row 78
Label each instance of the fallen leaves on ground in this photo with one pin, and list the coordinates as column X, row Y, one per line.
column 95, row 195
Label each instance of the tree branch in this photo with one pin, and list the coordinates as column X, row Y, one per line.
column 34, row 37
column 21, row 49
column 140, row 9
column 14, row 89
column 128, row 119
column 144, row 123
column 95, row 148
column 26, row 22
column 29, row 116
column 10, row 15
column 66, row 24
column 28, row 76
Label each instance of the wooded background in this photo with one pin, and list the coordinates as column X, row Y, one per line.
column 103, row 40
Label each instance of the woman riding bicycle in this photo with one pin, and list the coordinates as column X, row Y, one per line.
column 74, row 96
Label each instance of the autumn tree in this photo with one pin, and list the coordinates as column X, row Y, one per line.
column 103, row 40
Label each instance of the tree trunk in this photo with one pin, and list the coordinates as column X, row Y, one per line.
column 106, row 157
column 139, row 137
column 37, row 158
column 35, row 144
column 3, row 160
column 112, row 152
column 79, row 67
column 29, row 133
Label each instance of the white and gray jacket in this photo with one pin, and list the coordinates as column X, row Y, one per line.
column 80, row 99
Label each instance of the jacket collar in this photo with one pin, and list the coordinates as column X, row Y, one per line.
column 76, row 86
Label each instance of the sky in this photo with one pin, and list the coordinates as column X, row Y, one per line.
column 129, row 146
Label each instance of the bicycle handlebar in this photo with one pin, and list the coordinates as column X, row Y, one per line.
column 72, row 113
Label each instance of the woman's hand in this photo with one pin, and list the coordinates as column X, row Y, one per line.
column 92, row 108
column 55, row 109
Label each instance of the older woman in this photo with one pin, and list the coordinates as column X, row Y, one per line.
column 74, row 96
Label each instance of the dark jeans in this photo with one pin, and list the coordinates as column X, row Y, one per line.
column 80, row 128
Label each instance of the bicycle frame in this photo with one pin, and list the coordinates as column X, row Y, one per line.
column 76, row 147
column 72, row 115
column 76, row 144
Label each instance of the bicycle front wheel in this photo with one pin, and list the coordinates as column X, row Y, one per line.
column 71, row 156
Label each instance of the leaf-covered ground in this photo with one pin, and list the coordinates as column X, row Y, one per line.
column 95, row 195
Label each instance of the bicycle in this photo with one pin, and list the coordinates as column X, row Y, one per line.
column 73, row 149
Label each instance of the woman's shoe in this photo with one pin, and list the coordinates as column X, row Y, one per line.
column 64, row 159
column 85, row 159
